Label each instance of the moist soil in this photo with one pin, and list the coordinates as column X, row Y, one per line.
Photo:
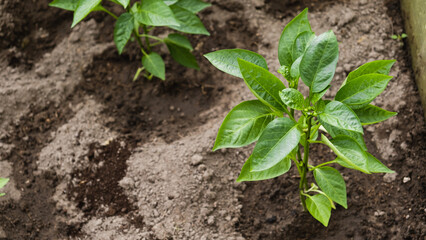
column 92, row 154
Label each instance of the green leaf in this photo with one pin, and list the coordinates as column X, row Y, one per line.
column 154, row 64
column 302, row 42
column 124, row 3
column 292, row 98
column 379, row 66
column 348, row 151
column 277, row 141
column 317, row 96
column 83, row 9
column 289, row 35
column 360, row 91
column 179, row 40
column 263, row 84
column 319, row 207
column 340, row 116
column 193, row 6
column 226, row 60
column 331, row 183
column 188, row 21
column 371, row 114
column 182, row 55
column 123, row 30
column 334, row 132
column 375, row 166
column 319, row 62
column 69, row 5
column 243, row 125
column 294, row 70
column 277, row 170
column 170, row 2
column 155, row 13
column 3, row 182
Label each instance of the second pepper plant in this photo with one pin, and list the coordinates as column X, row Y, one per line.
column 284, row 137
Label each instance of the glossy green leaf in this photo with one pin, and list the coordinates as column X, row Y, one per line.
column 319, row 207
column 193, row 6
column 359, row 92
column 188, row 21
column 69, row 5
column 302, row 42
column 277, row 141
column 243, row 125
column 340, row 116
column 170, row 2
column 348, row 151
column 179, row 40
column 289, row 35
column 154, row 64
column 371, row 114
column 277, row 170
column 83, row 9
column 263, row 84
column 123, row 30
column 317, row 96
column 319, row 62
column 375, row 166
column 182, row 55
column 292, row 98
column 124, row 3
column 226, row 60
column 379, row 66
column 334, row 132
column 155, row 13
column 294, row 70
column 331, row 183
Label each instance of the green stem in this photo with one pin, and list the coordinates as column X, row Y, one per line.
column 322, row 164
column 139, row 42
column 148, row 44
column 304, row 169
column 110, row 13
column 153, row 37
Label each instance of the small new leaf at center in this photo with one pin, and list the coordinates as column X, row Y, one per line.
column 292, row 98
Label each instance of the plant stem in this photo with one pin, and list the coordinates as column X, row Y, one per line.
column 153, row 37
column 304, row 169
column 110, row 13
column 139, row 42
column 148, row 44
column 322, row 164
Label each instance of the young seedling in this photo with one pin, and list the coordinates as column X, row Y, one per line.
column 3, row 182
column 282, row 135
column 399, row 38
column 138, row 21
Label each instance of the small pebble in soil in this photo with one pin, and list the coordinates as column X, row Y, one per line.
column 406, row 179
column 210, row 221
column 196, row 159
column 389, row 177
column 379, row 213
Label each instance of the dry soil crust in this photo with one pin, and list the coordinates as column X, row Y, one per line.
column 93, row 155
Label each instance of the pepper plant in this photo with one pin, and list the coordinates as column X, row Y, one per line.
column 137, row 21
column 282, row 133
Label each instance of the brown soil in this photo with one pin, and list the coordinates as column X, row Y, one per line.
column 102, row 157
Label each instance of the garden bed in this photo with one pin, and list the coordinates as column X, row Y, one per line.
column 93, row 155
